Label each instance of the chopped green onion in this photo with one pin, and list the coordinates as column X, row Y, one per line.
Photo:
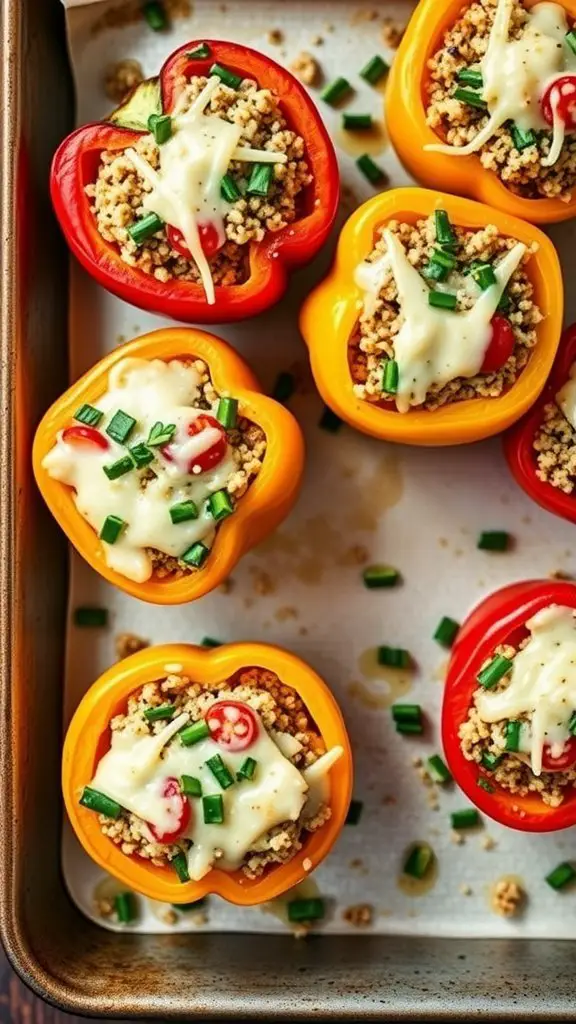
column 88, row 415
column 406, row 712
column 442, row 300
column 94, row 800
column 180, row 865
column 512, row 733
column 160, row 713
column 410, row 728
column 125, row 907
column 246, row 769
column 260, row 179
column 570, row 39
column 284, row 387
column 560, row 876
column 471, row 77
column 119, row 468
column 354, row 812
column 377, row 576
column 356, row 122
column 370, row 170
column 438, row 769
column 336, row 91
column 445, row 259
column 91, row 617
column 142, row 455
column 434, row 271
column 572, row 724
column 209, row 641
column 111, row 529
column 521, row 139
column 311, row 909
column 183, row 512
column 493, row 673
column 493, row 540
column 445, row 235
column 226, row 76
column 484, row 784
column 155, row 15
column 470, row 98
column 467, row 818
column 160, row 125
column 213, row 809
column 505, row 302
column 160, row 434
column 199, row 52
column 227, row 413
column 394, row 657
column 418, row 861
column 194, row 733
column 121, row 426
column 390, row 376
column 446, row 631
column 329, row 421
column 190, row 786
column 220, row 771
column 374, row 70
column 220, row 505
column 195, row 555
column 490, row 761
column 229, row 189
column 483, row 274
column 144, row 228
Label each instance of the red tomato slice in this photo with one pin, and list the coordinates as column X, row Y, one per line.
column 501, row 345
column 563, row 92
column 209, row 239
column 566, row 760
column 212, row 456
column 85, row 436
column 233, row 725
column 179, row 811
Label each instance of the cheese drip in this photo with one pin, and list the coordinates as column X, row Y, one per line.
column 151, row 391
column 134, row 771
column 566, row 397
column 185, row 191
column 516, row 73
column 542, row 684
column 433, row 346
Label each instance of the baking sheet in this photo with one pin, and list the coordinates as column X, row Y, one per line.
column 417, row 509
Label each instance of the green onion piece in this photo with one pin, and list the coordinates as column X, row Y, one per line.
column 142, row 455
column 125, row 907
column 470, row 98
column 220, row 771
column 505, row 302
column 570, row 39
column 493, row 673
column 445, row 259
column 467, row 818
column 471, row 77
column 88, row 415
column 335, row 91
column 229, row 189
column 312, row 909
column 180, row 865
column 213, row 809
column 226, row 76
column 111, row 529
column 284, row 387
column 484, row 784
column 199, row 52
column 445, row 235
column 356, row 122
column 370, row 170
column 119, row 468
column 410, row 728
column 418, row 861
column 260, row 179
column 572, row 724
column 121, row 426
column 374, row 70
column 160, row 126
column 490, row 761
column 144, row 228
column 195, row 555
column 354, row 812
column 227, row 413
column 209, row 641
column 560, row 876
column 446, row 631
column 160, row 434
column 483, row 274
column 246, row 769
column 377, row 576
column 434, row 271
column 94, row 800
column 439, row 771
column 390, row 376
column 406, row 712
column 329, row 421
column 493, row 540
column 155, row 15
column 522, row 139
column 183, row 512
column 194, row 733
column 394, row 657
column 190, row 786
column 512, row 732
column 160, row 713
column 91, row 617
column 220, row 505
column 442, row 300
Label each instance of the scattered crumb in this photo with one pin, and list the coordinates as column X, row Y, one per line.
column 487, row 842
column 356, row 862
column 275, row 36
column 301, row 930
column 120, row 78
column 303, row 631
column 465, row 890
column 364, row 14
column 433, row 800
column 388, row 800
column 316, row 41
column 507, row 898
column 392, row 33
column 443, row 542
column 128, row 12
column 456, row 837
column 307, row 864
column 199, row 918
column 128, row 643
column 560, row 574
column 168, row 916
column 285, row 612
column 306, row 68
column 348, row 199
column 356, row 555
column 416, row 762
column 360, row 915
column 262, row 582
column 227, row 585
column 328, row 27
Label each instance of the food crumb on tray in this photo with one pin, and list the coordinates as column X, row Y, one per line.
column 128, row 643
column 121, row 78
column 508, row 897
column 360, row 915
column 392, row 33
column 306, row 68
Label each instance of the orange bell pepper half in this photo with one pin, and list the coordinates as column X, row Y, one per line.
column 265, row 504
column 406, row 102
column 88, row 739
column 330, row 314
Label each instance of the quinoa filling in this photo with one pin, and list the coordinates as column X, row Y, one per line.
column 555, row 440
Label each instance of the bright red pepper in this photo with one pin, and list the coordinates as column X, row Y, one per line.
column 518, row 442
column 75, row 166
column 499, row 619
column 179, row 811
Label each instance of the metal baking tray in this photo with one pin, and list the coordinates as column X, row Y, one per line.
column 64, row 957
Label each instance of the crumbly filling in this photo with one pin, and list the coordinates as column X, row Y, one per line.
column 116, row 195
column 281, row 710
column 458, row 123
column 373, row 340
column 555, row 447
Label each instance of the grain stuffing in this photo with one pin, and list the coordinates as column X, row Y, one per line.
column 555, row 447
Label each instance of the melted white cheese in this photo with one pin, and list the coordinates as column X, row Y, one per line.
column 151, row 391
column 433, row 346
column 566, row 397
column 542, row 684
column 134, row 770
column 516, row 73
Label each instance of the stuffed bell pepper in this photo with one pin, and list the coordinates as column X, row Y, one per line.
column 165, row 463
column 482, row 102
column 439, row 321
column 199, row 193
column 188, row 771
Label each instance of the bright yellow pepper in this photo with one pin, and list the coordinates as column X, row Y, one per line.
column 88, row 739
column 330, row 314
column 406, row 102
column 267, row 501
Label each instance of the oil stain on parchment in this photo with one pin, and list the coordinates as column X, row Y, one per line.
column 381, row 685
column 415, row 887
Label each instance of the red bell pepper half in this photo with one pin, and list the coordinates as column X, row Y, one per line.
column 518, row 441
column 499, row 619
column 76, row 162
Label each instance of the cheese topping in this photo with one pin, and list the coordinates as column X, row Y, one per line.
column 566, row 397
column 135, row 769
column 151, row 391
column 433, row 346
column 516, row 73
column 185, row 191
column 542, row 685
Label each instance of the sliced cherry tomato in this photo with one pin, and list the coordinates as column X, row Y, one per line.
column 179, row 812
column 209, row 239
column 86, row 436
column 501, row 345
column 233, row 725
column 213, row 455
column 567, row 758
column 563, row 92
